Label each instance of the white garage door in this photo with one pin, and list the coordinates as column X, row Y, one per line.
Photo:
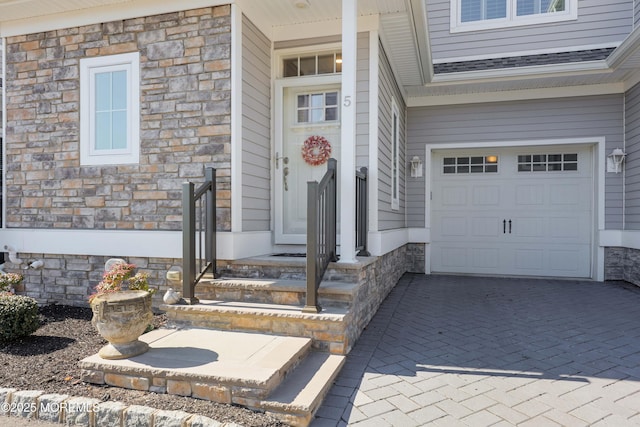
column 516, row 211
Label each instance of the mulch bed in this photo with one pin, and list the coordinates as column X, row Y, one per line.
column 48, row 360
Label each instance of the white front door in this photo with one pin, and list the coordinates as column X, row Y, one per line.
column 310, row 134
column 516, row 211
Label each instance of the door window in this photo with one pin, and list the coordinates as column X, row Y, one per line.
column 317, row 107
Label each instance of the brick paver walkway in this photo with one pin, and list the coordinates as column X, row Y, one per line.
column 451, row 351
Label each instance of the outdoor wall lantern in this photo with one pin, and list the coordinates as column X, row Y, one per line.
column 615, row 160
column 416, row 167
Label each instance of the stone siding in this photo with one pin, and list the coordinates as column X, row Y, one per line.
column 622, row 264
column 70, row 279
column 185, row 104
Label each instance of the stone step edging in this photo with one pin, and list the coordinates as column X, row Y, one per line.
column 84, row 411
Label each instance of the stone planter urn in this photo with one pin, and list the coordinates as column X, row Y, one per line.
column 121, row 317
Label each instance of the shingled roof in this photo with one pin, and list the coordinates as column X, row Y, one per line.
column 523, row 61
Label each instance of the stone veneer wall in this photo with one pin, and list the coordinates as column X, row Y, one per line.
column 70, row 279
column 622, row 264
column 185, row 123
column 377, row 279
column 185, row 100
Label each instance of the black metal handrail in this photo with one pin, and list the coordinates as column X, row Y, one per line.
column 198, row 233
column 321, row 232
column 362, row 212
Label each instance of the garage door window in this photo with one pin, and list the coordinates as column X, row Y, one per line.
column 470, row 164
column 547, row 162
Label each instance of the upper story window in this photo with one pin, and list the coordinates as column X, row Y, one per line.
column 473, row 15
column 312, row 65
column 110, row 110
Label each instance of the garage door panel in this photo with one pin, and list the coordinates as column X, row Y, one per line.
column 534, row 223
column 485, row 258
column 529, row 260
column 485, row 195
column 454, row 196
column 530, row 227
column 454, row 226
column 530, row 195
column 485, row 227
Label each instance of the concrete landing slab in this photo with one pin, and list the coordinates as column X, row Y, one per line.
column 179, row 361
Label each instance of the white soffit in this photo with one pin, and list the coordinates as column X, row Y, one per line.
column 400, row 47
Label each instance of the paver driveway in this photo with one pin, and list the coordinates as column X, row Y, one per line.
column 445, row 350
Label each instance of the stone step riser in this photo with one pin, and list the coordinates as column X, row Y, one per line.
column 326, row 335
column 284, row 271
column 209, row 291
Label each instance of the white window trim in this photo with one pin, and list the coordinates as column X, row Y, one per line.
column 395, row 157
column 88, row 68
column 457, row 26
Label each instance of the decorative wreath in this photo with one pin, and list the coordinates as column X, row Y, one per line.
column 316, row 150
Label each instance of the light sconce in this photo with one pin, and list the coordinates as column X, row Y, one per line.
column 416, row 167
column 301, row 4
column 615, row 160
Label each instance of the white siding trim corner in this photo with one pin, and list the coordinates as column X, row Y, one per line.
column 236, row 119
column 372, row 178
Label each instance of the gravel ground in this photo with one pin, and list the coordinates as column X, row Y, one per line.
column 48, row 361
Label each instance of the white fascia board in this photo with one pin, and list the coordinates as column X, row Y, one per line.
column 502, row 74
column 139, row 243
column 627, row 48
column 95, row 15
column 517, row 95
column 311, row 30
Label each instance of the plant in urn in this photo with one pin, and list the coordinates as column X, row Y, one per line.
column 122, row 315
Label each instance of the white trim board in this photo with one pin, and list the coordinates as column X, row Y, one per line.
column 139, row 243
column 516, row 95
column 599, row 187
column 236, row 119
column 620, row 238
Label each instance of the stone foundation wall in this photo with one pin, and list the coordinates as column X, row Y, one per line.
column 377, row 280
column 415, row 255
column 70, row 279
column 622, row 264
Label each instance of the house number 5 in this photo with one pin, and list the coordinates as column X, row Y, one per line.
column 347, row 101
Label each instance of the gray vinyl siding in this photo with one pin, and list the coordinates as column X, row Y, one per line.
column 598, row 23
column 632, row 161
column 581, row 117
column 256, row 128
column 389, row 219
column 636, row 13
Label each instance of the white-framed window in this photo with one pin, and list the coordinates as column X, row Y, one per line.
column 474, row 15
column 110, row 109
column 317, row 107
column 395, row 156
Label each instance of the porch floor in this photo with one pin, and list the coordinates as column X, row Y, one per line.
column 269, row 373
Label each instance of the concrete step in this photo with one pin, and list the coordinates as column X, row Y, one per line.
column 298, row 398
column 274, row 291
column 263, row 372
column 327, row 330
column 222, row 366
column 289, row 268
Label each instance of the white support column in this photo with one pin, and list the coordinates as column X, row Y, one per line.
column 348, row 132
